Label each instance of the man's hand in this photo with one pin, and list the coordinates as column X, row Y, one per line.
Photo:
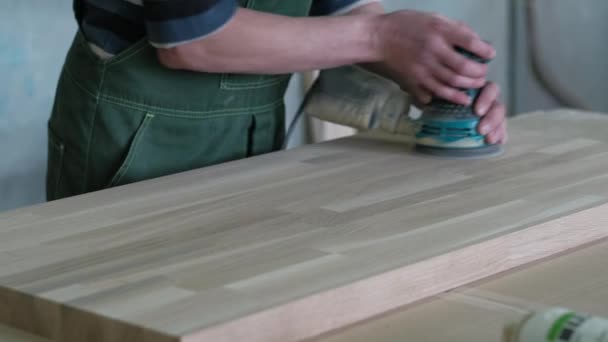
column 418, row 53
column 493, row 123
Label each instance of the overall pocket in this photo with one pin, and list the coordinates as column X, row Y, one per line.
column 166, row 144
column 248, row 82
column 132, row 151
column 56, row 152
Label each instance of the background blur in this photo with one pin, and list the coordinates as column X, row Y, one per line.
column 570, row 46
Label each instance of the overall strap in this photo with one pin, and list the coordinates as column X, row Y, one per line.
column 79, row 10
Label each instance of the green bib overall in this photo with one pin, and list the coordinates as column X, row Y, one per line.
column 129, row 119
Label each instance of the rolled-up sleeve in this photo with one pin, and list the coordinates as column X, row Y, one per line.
column 173, row 22
column 336, row 7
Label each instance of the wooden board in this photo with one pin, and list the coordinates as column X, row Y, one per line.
column 8, row 334
column 294, row 244
column 577, row 280
column 574, row 280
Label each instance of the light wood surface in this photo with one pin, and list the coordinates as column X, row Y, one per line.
column 294, row 244
column 576, row 280
column 8, row 334
column 478, row 312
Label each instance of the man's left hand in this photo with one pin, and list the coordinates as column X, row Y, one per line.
column 493, row 124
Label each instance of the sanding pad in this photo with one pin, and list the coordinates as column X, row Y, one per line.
column 483, row 152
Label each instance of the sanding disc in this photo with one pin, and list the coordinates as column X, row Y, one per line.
column 487, row 151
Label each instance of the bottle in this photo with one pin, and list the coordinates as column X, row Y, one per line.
column 557, row 325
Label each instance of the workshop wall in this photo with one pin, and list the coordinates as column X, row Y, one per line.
column 34, row 36
column 572, row 46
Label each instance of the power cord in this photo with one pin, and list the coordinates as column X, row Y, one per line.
column 296, row 118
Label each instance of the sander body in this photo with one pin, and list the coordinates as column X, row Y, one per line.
column 357, row 98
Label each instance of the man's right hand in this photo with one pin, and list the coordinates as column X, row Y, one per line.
column 418, row 51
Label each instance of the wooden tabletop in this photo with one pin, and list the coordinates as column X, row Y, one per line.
column 478, row 312
column 8, row 334
column 222, row 251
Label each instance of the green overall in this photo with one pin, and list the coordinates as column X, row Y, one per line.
column 128, row 118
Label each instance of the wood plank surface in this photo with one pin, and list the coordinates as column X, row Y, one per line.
column 477, row 313
column 574, row 280
column 8, row 334
column 294, row 244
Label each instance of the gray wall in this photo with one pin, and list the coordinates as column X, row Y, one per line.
column 35, row 34
column 573, row 47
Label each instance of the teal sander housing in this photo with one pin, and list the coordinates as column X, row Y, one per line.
column 450, row 130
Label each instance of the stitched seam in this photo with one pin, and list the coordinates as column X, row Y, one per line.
column 273, row 79
column 116, row 59
column 166, row 111
column 54, row 141
column 250, row 85
column 139, row 105
column 170, row 112
column 59, row 172
column 60, row 148
column 132, row 151
column 77, row 83
column 185, row 113
column 218, row 116
column 82, row 42
column 93, row 122
column 124, row 57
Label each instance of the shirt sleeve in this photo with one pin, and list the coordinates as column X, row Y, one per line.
column 173, row 22
column 336, row 7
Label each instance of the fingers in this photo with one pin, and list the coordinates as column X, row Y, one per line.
column 422, row 96
column 488, row 96
column 464, row 37
column 493, row 124
column 444, row 91
column 498, row 135
column 435, row 66
column 505, row 135
column 453, row 79
column 461, row 64
column 458, row 34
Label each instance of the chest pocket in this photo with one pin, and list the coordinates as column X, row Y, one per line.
column 255, row 81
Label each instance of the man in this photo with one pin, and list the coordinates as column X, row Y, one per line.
column 155, row 87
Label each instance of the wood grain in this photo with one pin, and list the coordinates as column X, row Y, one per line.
column 8, row 334
column 293, row 244
column 576, row 280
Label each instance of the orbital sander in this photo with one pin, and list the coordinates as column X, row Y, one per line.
column 451, row 130
column 354, row 97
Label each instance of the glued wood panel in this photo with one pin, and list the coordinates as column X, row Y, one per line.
column 445, row 318
column 293, row 244
column 578, row 281
column 8, row 334
column 477, row 313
